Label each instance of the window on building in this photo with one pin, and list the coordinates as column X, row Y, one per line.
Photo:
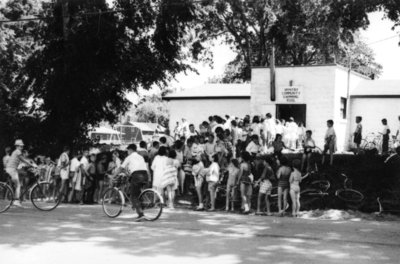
column 343, row 107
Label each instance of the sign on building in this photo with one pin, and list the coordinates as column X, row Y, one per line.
column 291, row 94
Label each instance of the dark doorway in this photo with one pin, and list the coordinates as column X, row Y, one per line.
column 286, row 111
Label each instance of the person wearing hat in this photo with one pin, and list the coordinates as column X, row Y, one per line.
column 12, row 168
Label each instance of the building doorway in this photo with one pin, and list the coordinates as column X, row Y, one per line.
column 297, row 111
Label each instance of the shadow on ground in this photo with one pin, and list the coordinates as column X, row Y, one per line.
column 73, row 234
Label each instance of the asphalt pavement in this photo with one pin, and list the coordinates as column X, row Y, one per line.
column 83, row 234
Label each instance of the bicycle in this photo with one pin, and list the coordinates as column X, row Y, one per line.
column 315, row 193
column 371, row 141
column 116, row 198
column 40, row 194
column 386, row 211
column 348, row 195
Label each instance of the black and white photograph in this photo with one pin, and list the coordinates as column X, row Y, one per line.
column 199, row 131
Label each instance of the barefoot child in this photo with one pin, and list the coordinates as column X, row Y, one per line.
column 283, row 175
column 295, row 179
column 233, row 173
column 265, row 187
column 330, row 142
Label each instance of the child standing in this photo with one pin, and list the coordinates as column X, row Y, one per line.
column 385, row 136
column 330, row 142
column 295, row 179
column 233, row 173
column 245, row 181
column 308, row 146
column 358, row 133
column 212, row 179
column 283, row 175
column 265, row 187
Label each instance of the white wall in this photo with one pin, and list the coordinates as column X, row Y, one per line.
column 318, row 84
column 373, row 110
column 341, row 86
column 198, row 110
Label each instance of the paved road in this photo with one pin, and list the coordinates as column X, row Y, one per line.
column 73, row 234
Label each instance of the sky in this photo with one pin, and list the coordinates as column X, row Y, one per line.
column 382, row 39
column 387, row 53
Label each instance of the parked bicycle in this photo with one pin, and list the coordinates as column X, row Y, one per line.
column 387, row 204
column 351, row 197
column 116, row 198
column 41, row 193
column 313, row 196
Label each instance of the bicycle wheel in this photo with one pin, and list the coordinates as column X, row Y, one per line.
column 369, row 145
column 349, row 195
column 151, row 203
column 311, row 199
column 6, row 197
column 44, row 198
column 113, row 201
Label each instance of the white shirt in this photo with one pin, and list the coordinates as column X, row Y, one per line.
column 134, row 162
column 85, row 162
column 74, row 165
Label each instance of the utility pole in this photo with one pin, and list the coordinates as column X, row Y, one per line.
column 272, row 73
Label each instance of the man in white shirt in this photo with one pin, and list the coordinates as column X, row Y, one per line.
column 135, row 166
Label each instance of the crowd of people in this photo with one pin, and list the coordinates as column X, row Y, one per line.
column 228, row 151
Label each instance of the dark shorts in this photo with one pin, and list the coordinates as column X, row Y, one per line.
column 357, row 138
column 138, row 180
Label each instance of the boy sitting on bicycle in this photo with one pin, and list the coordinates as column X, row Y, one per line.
column 135, row 165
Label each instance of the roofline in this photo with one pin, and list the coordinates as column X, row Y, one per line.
column 376, row 96
column 167, row 98
column 316, row 65
column 297, row 66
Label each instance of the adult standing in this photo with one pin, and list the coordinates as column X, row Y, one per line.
column 12, row 168
column 158, row 167
column 63, row 165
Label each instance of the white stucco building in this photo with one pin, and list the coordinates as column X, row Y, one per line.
column 309, row 94
column 197, row 104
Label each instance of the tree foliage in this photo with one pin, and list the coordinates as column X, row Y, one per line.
column 152, row 109
column 303, row 32
column 80, row 73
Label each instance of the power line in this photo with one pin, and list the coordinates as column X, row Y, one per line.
column 37, row 18
column 381, row 40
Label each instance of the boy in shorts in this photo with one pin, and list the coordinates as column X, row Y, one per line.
column 330, row 142
column 265, row 187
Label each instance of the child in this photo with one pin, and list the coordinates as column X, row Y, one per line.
column 295, row 179
column 385, row 136
column 358, row 133
column 265, row 187
column 308, row 146
column 212, row 179
column 197, row 171
column 210, row 146
column 330, row 142
column 245, row 181
column 254, row 146
column 233, row 173
column 283, row 175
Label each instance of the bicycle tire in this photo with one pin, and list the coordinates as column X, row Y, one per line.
column 113, row 201
column 6, row 197
column 350, row 195
column 41, row 197
column 369, row 146
column 151, row 203
column 312, row 199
